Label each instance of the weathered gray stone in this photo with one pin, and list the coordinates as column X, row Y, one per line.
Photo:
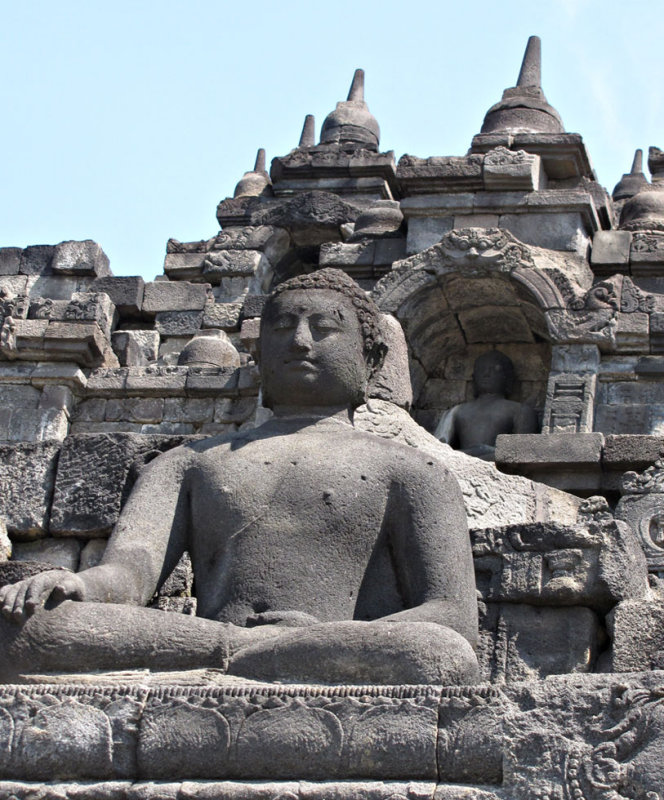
column 622, row 419
column 553, row 448
column 63, row 553
column 5, row 542
column 568, row 461
column 610, row 251
column 310, row 217
column 235, row 263
column 168, row 296
column 178, row 323
column 57, row 287
column 209, row 349
column 155, row 381
column 58, row 374
column 136, row 348
column 91, row 554
column 10, row 260
column 80, row 258
column 14, row 285
column 560, row 231
column 95, row 475
column 212, row 381
column 595, row 566
column 126, row 293
column 14, row 571
column 184, row 266
column 222, row 315
column 37, row 259
column 19, row 420
column 26, row 486
column 636, row 628
column 189, row 409
column 623, row 452
column 511, row 170
column 424, row 232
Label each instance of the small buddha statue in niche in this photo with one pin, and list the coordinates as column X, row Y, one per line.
column 473, row 427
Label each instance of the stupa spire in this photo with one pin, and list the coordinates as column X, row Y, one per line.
column 531, row 66
column 637, row 163
column 356, row 91
column 308, row 135
column 259, row 165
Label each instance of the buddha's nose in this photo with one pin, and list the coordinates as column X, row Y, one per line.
column 302, row 336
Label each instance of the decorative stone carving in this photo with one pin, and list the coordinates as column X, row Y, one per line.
column 570, row 402
column 642, row 506
column 511, row 170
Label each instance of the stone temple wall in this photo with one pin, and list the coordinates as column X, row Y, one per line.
column 514, row 246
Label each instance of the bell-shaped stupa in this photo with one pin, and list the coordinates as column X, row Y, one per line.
column 351, row 122
column 254, row 183
column 524, row 108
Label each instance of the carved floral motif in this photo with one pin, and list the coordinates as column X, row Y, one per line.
column 500, row 156
column 648, row 242
column 649, row 481
column 626, row 765
column 634, row 299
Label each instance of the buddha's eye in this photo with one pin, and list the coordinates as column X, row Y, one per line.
column 325, row 324
column 283, row 322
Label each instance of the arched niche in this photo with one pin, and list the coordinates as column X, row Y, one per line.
column 478, row 289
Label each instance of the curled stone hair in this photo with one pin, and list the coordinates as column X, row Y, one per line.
column 367, row 312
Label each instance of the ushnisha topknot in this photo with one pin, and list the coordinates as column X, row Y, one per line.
column 367, row 311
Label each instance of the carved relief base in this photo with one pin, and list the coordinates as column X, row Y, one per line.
column 587, row 737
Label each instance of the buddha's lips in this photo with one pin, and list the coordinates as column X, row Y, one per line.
column 301, row 363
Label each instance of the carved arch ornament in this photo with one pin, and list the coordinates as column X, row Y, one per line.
column 566, row 311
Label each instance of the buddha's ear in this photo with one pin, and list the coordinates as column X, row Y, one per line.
column 376, row 359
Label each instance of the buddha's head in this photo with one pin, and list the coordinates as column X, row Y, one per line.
column 493, row 373
column 320, row 342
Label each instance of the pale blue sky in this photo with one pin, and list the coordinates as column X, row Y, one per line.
column 126, row 122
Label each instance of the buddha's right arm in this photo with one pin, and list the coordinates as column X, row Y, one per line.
column 146, row 544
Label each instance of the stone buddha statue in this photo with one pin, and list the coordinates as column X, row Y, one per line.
column 321, row 554
column 474, row 426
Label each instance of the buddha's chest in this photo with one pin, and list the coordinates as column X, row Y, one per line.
column 285, row 492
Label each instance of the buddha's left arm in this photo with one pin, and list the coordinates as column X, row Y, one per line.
column 431, row 549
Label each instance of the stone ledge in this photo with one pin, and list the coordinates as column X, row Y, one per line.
column 512, row 740
column 242, row 790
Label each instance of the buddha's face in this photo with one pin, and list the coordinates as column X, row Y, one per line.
column 490, row 375
column 312, row 351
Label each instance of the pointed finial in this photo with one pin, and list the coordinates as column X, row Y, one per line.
column 531, row 66
column 356, row 92
column 631, row 182
column 308, row 136
column 637, row 164
column 259, row 166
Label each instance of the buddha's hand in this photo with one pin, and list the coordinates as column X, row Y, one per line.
column 284, row 619
column 18, row 601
